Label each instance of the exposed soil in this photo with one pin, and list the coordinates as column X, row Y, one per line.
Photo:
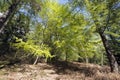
column 58, row 71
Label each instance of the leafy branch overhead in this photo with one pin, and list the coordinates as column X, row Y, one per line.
column 42, row 51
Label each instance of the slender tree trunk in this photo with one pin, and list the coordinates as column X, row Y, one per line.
column 86, row 58
column 66, row 57
column 102, row 59
column 35, row 62
column 112, row 61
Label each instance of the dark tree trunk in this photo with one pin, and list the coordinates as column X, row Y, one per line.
column 112, row 61
column 8, row 15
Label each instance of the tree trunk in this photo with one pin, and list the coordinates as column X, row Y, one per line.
column 86, row 58
column 102, row 59
column 112, row 61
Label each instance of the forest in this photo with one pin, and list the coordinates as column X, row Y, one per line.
column 59, row 39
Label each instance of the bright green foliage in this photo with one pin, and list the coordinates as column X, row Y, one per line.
column 66, row 33
column 29, row 47
column 103, row 17
column 106, row 19
column 57, row 30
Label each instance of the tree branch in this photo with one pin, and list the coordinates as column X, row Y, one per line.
column 9, row 14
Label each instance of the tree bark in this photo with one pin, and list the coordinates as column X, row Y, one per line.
column 112, row 61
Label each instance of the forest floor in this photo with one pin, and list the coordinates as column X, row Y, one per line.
column 59, row 71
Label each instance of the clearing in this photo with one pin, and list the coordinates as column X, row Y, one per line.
column 58, row 71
